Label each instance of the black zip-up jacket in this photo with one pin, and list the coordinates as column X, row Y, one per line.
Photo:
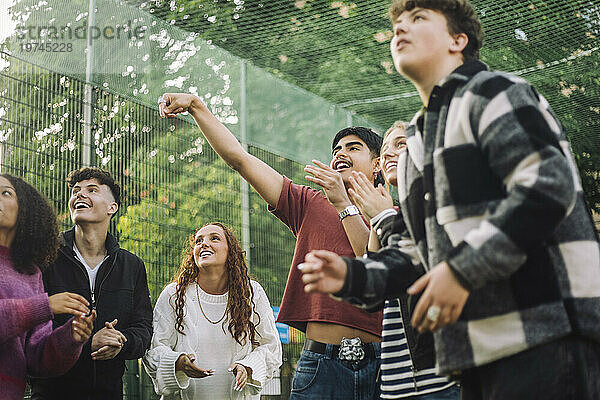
column 121, row 292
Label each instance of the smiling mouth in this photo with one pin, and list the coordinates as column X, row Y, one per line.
column 206, row 253
column 390, row 166
column 342, row 165
column 81, row 206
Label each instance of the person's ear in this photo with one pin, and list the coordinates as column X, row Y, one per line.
column 112, row 210
column 376, row 166
column 459, row 42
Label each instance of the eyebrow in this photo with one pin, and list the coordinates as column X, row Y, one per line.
column 87, row 186
column 356, row 142
column 208, row 234
column 410, row 14
column 7, row 187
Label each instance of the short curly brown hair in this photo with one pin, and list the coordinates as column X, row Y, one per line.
column 102, row 176
column 35, row 244
column 459, row 14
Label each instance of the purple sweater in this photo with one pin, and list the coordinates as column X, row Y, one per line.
column 28, row 346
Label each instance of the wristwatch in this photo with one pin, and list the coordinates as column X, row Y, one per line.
column 349, row 211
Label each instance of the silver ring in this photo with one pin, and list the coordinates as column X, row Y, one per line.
column 161, row 100
column 433, row 313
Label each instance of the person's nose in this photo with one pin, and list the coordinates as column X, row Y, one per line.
column 390, row 153
column 341, row 155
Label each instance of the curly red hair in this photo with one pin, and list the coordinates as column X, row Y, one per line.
column 240, row 304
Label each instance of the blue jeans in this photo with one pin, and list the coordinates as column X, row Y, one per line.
column 325, row 377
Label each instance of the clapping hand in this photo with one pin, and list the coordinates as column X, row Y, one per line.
column 331, row 182
column 68, row 303
column 369, row 199
column 83, row 326
column 185, row 364
column 107, row 342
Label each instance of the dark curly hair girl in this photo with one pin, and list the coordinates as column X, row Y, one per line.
column 240, row 305
column 36, row 238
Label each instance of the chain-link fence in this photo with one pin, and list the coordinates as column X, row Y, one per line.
column 172, row 181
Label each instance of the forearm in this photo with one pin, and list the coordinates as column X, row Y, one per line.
column 265, row 359
column 264, row 179
column 384, row 275
column 357, row 233
column 52, row 352
column 218, row 136
column 21, row 315
column 138, row 330
column 160, row 364
column 138, row 340
column 374, row 244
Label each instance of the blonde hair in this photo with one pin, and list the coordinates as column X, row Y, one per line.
column 398, row 124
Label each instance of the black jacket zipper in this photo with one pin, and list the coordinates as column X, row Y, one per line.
column 92, row 295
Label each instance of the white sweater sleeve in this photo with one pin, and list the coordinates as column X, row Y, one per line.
column 160, row 359
column 265, row 359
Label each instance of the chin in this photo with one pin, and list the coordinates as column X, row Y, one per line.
column 409, row 69
column 79, row 219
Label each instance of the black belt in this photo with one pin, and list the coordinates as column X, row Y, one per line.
column 321, row 348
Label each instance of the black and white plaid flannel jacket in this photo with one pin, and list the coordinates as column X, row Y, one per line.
column 488, row 184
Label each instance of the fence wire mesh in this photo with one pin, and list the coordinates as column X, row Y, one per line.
column 172, row 181
column 313, row 68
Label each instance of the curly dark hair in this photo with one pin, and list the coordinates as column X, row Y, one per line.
column 102, row 176
column 459, row 14
column 35, row 244
column 240, row 303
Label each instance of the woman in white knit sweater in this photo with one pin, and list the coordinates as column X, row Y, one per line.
column 214, row 331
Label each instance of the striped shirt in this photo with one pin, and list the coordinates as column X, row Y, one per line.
column 397, row 377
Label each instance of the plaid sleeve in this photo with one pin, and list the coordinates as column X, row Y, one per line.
column 521, row 140
column 381, row 275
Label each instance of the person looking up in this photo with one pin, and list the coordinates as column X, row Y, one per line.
column 28, row 243
column 214, row 331
column 317, row 220
column 113, row 280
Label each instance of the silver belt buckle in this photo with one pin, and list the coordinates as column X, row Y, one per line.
column 351, row 350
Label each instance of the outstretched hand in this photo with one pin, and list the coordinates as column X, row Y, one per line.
column 83, row 326
column 369, row 199
column 171, row 104
column 323, row 271
column 331, row 182
column 185, row 364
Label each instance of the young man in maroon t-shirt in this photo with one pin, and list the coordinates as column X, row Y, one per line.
column 341, row 354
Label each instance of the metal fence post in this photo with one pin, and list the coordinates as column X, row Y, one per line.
column 243, row 184
column 88, row 106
